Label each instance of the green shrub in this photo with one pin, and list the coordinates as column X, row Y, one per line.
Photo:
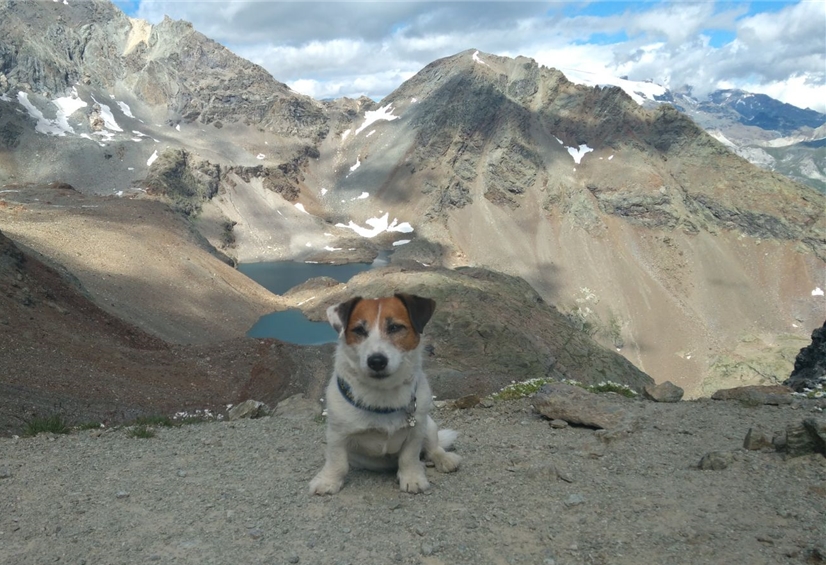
column 52, row 424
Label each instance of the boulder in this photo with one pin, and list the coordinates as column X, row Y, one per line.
column 807, row 437
column 776, row 395
column 248, row 409
column 663, row 392
column 575, row 405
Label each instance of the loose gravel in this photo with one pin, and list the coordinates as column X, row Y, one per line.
column 527, row 493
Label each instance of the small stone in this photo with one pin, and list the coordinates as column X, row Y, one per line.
column 574, row 500
column 716, row 461
column 466, row 402
column 255, row 533
column 249, row 409
column 122, row 494
column 5, row 473
column 663, row 392
column 756, row 440
column 427, row 549
column 293, row 558
column 486, row 402
column 182, row 473
column 558, row 424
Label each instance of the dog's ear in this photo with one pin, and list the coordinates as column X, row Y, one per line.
column 419, row 309
column 339, row 314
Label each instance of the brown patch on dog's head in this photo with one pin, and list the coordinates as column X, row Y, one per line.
column 399, row 319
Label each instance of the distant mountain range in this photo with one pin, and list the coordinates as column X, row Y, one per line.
column 619, row 209
column 771, row 134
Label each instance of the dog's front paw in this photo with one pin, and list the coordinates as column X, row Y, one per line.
column 446, row 461
column 324, row 485
column 413, row 482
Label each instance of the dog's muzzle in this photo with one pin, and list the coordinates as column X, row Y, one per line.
column 377, row 363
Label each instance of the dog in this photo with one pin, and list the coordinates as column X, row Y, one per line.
column 378, row 399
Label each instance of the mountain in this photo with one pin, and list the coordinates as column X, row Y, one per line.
column 768, row 133
column 638, row 223
column 644, row 230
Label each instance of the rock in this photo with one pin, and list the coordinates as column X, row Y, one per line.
column 467, row 401
column 5, row 473
column 756, row 440
column 810, row 364
column 296, row 407
column 776, row 395
column 663, row 392
column 249, row 409
column 560, row 401
column 558, row 424
column 716, row 461
column 574, row 500
column 806, row 437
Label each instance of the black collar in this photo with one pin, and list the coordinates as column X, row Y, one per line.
column 347, row 393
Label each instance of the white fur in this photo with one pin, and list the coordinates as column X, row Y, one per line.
column 369, row 440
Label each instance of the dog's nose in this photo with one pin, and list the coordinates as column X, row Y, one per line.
column 377, row 362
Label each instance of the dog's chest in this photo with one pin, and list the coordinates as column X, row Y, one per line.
column 377, row 443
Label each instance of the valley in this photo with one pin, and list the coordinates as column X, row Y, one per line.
column 624, row 228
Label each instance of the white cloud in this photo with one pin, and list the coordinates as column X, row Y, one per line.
column 333, row 49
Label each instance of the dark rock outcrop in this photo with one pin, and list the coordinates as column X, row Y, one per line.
column 810, row 364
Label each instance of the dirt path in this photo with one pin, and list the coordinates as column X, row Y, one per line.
column 527, row 493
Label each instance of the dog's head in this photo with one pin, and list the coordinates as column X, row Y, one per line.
column 380, row 334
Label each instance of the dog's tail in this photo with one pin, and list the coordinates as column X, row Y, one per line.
column 447, row 437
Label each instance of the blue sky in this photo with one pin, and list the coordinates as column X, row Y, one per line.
column 331, row 49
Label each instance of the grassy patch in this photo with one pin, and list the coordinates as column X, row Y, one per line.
column 54, row 424
column 89, row 426
column 521, row 390
column 142, row 432
column 532, row 386
column 609, row 386
column 156, row 421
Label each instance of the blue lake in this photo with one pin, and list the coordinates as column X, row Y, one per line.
column 279, row 277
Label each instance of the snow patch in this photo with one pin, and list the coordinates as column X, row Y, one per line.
column 377, row 226
column 372, row 131
column 357, row 165
column 477, row 59
column 108, row 118
column 58, row 126
column 152, row 158
column 373, row 116
column 578, row 154
column 345, row 134
column 323, row 191
column 260, row 156
column 817, row 292
column 401, row 242
column 639, row 91
column 300, row 207
column 127, row 111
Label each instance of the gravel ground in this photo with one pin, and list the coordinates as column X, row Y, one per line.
column 527, row 493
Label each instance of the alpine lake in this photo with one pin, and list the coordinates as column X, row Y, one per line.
column 280, row 276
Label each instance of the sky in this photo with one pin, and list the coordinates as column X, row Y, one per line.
column 335, row 49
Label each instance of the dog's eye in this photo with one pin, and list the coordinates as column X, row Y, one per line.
column 360, row 331
column 394, row 328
